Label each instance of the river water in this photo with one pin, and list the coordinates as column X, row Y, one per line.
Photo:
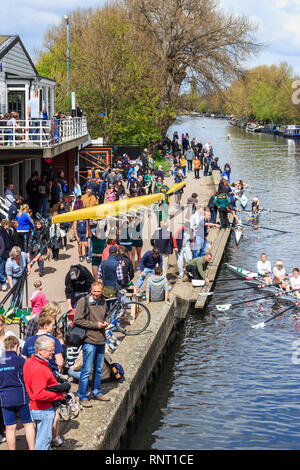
column 225, row 385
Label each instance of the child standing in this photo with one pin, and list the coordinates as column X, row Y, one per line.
column 38, row 299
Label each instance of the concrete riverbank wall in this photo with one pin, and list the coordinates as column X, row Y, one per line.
column 101, row 427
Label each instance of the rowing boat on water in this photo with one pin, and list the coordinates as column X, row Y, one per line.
column 285, row 298
column 238, row 232
column 244, row 201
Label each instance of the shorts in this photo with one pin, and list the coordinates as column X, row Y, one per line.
column 82, row 237
column 137, row 243
column 129, row 247
column 96, row 260
column 10, row 414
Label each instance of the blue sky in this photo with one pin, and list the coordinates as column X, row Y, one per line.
column 278, row 22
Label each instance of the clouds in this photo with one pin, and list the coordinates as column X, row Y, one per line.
column 278, row 23
column 31, row 18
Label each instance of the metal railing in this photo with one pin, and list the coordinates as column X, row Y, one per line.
column 40, row 132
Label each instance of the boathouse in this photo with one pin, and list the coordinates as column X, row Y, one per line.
column 33, row 143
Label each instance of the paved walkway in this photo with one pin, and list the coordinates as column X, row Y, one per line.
column 55, row 271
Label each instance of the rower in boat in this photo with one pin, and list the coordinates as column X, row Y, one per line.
column 295, row 282
column 255, row 207
column 279, row 275
column 264, row 269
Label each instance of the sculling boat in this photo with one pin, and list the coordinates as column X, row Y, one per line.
column 244, row 201
column 238, row 232
column 285, row 298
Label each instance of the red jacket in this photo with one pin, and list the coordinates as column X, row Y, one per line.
column 37, row 377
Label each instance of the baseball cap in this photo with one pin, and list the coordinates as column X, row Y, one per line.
column 113, row 249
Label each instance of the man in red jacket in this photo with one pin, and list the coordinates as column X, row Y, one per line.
column 38, row 377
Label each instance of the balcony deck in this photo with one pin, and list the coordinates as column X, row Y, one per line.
column 41, row 138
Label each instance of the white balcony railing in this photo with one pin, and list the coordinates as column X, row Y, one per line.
column 41, row 133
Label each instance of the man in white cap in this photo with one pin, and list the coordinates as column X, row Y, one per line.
column 279, row 275
column 255, row 206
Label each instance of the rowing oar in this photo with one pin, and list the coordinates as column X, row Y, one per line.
column 223, row 307
column 233, row 279
column 282, row 212
column 262, row 325
column 268, row 228
column 233, row 290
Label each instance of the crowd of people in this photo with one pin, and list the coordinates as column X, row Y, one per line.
column 33, row 387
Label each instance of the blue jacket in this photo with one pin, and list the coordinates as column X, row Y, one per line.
column 148, row 261
column 24, row 223
column 109, row 271
column 12, row 387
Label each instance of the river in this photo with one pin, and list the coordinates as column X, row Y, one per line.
column 225, row 385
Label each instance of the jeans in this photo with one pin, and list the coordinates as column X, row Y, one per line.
column 90, row 250
column 142, row 278
column 197, row 247
column 35, row 131
column 205, row 245
column 190, row 165
column 2, row 270
column 42, row 206
column 44, row 421
column 93, row 358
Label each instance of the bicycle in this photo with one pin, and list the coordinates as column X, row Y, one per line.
column 122, row 315
column 125, row 313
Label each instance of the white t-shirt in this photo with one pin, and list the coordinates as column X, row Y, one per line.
column 34, row 105
column 279, row 272
column 195, row 219
column 295, row 283
column 263, row 268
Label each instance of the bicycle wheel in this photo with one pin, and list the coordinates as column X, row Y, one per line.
column 133, row 318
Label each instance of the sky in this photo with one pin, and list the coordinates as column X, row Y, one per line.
column 278, row 22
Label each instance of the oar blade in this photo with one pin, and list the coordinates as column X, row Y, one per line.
column 258, row 326
column 223, row 308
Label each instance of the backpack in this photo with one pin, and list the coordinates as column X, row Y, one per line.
column 116, row 371
column 75, row 336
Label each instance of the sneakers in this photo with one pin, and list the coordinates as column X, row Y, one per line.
column 88, row 260
column 72, row 405
column 4, row 287
column 2, row 439
column 57, row 442
column 64, row 412
column 70, row 409
column 81, row 259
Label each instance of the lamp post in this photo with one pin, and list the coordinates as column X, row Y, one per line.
column 67, row 19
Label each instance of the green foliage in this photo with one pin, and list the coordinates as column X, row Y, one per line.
column 160, row 160
column 262, row 102
column 108, row 76
column 264, row 94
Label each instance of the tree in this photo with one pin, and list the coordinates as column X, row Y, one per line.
column 193, row 94
column 263, row 102
column 192, row 38
column 107, row 75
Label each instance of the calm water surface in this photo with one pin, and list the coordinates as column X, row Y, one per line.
column 225, row 385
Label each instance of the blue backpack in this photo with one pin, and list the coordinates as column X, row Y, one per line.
column 116, row 371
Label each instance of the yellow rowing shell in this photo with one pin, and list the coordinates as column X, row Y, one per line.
column 109, row 209
column 176, row 187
